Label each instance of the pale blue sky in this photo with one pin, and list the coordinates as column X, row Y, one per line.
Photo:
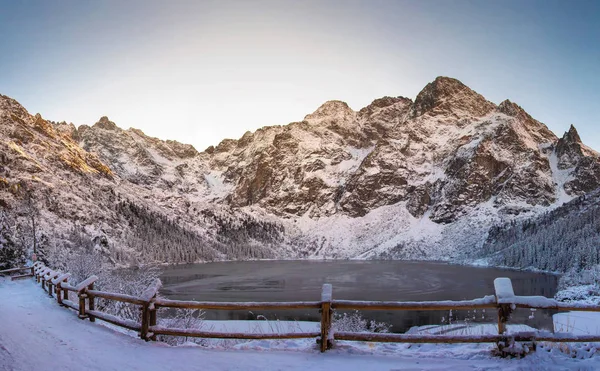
column 200, row 71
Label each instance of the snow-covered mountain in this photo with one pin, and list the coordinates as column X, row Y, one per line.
column 402, row 179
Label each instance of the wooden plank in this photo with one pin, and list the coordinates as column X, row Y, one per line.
column 236, row 305
column 553, row 304
column 118, row 297
column 12, row 278
column 61, row 278
column 13, row 270
column 415, row 338
column 85, row 283
column 159, row 330
column 561, row 338
column 70, row 304
column 454, row 339
column 487, row 302
column 131, row 325
column 68, row 287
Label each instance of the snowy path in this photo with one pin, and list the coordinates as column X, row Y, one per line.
column 37, row 334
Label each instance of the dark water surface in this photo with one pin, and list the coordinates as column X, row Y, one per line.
column 354, row 280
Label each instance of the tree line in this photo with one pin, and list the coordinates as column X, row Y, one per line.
column 567, row 238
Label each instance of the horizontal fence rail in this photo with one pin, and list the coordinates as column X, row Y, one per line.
column 504, row 301
column 159, row 330
column 29, row 273
column 486, row 302
column 236, row 305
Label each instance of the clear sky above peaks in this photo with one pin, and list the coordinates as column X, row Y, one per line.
column 201, row 71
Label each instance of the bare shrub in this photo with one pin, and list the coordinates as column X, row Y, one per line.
column 355, row 322
column 85, row 262
column 132, row 281
column 183, row 319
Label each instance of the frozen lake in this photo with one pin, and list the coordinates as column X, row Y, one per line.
column 357, row 280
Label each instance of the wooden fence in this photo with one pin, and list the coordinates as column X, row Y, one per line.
column 504, row 301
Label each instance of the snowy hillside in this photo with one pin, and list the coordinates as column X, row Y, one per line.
column 567, row 238
column 398, row 179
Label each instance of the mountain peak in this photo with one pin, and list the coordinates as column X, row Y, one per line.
column 449, row 95
column 445, row 80
column 569, row 149
column 384, row 102
column 511, row 109
column 514, row 110
column 572, row 136
column 330, row 110
column 106, row 124
column 12, row 106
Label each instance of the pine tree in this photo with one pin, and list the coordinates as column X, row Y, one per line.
column 11, row 254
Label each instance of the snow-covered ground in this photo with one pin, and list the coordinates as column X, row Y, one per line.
column 37, row 334
column 577, row 323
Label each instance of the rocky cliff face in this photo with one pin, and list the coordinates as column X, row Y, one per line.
column 444, row 154
column 397, row 178
column 137, row 198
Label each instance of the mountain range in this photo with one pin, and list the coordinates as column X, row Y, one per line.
column 402, row 179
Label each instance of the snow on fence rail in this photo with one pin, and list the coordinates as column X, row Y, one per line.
column 504, row 300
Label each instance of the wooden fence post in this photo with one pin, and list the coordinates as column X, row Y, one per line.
column 152, row 319
column 44, row 280
column 82, row 297
column 51, row 276
column 505, row 297
column 59, row 293
column 82, row 288
column 326, row 315
column 58, row 287
column 148, row 309
column 49, row 286
column 91, row 302
column 66, row 292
